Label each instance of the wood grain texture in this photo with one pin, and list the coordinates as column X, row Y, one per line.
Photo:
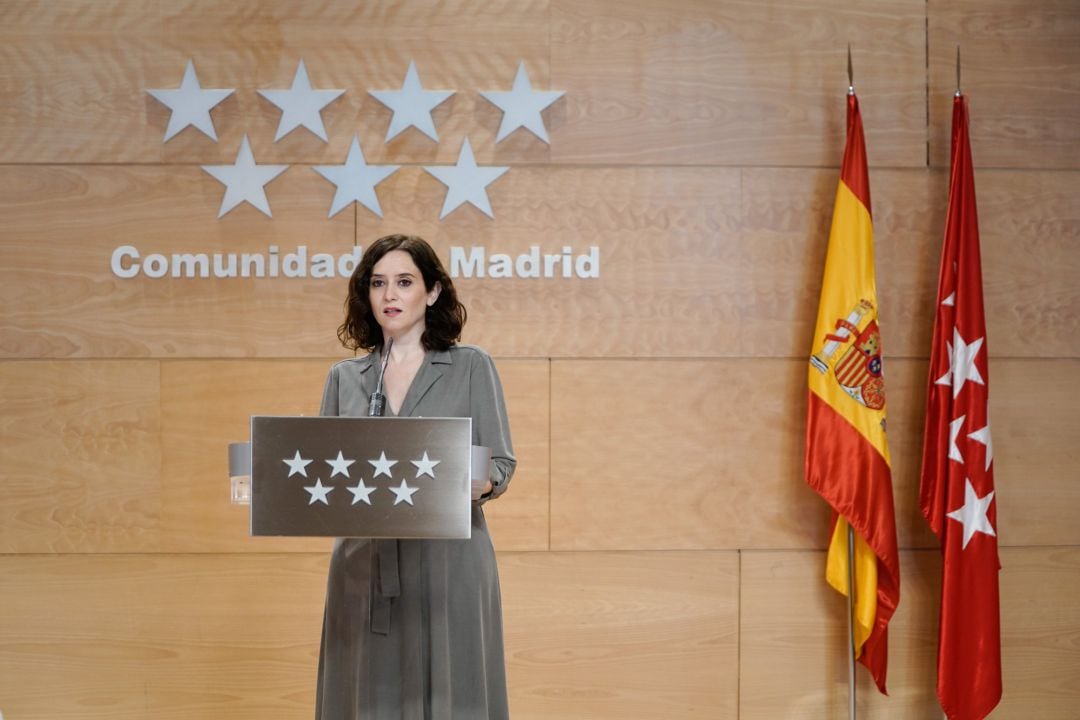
column 176, row 637
column 61, row 299
column 793, row 638
column 736, row 83
column 81, row 457
column 621, row 635
column 1019, row 73
column 96, row 62
column 207, row 404
column 793, row 641
column 1040, row 631
column 709, row 454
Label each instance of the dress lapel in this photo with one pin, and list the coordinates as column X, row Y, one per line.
column 430, row 372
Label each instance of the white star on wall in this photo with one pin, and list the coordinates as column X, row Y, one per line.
column 297, row 465
column 961, row 364
column 356, row 180
column 972, row 515
column 466, row 182
column 339, row 465
column 190, row 104
column 361, row 493
column 382, row 465
column 412, row 105
column 244, row 180
column 300, row 105
column 319, row 492
column 403, row 492
column 425, row 466
column 522, row 106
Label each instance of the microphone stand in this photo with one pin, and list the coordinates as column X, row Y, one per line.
column 377, row 403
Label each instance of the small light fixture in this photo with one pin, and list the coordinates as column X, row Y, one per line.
column 240, row 473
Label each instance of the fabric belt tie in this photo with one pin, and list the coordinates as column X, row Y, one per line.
column 387, row 585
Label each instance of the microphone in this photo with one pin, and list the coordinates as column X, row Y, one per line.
column 377, row 403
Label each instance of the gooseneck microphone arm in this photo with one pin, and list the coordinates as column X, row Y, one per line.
column 377, row 403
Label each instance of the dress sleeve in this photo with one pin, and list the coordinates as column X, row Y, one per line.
column 491, row 425
column 330, row 394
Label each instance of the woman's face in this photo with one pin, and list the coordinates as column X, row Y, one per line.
column 397, row 295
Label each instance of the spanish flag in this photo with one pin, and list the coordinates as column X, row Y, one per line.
column 847, row 456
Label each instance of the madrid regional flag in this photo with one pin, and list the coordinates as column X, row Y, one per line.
column 957, row 489
column 847, row 457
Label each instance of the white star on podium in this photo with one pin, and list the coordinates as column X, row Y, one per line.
column 190, row 104
column 356, row 180
column 412, row 105
column 244, row 180
column 301, row 105
column 319, row 492
column 297, row 465
column 465, row 182
column 522, row 106
column 361, row 493
column 382, row 465
column 403, row 492
column 425, row 466
column 339, row 465
column 972, row 514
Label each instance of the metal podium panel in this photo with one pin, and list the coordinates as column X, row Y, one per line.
column 377, row 477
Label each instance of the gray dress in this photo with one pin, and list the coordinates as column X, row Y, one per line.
column 413, row 628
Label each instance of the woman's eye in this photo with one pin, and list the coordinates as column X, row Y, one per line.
column 405, row 283
column 376, row 283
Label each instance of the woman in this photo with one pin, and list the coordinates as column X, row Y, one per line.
column 413, row 628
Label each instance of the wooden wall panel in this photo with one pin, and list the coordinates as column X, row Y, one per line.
column 793, row 641
column 1040, row 630
column 207, row 404
column 724, row 469
column 736, row 83
column 174, row 637
column 80, row 457
column 626, row 635
column 61, row 298
column 793, row 637
column 1019, row 72
column 95, row 63
column 692, row 262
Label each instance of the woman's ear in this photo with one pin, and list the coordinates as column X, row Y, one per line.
column 433, row 294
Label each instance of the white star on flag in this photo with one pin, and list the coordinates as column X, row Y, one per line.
column 361, row 493
column 412, row 105
column 319, row 492
column 425, row 466
column 982, row 435
column 465, row 182
column 339, row 465
column 972, row 515
column 382, row 465
column 954, row 431
column 244, row 180
column 961, row 364
column 522, row 106
column 190, row 104
column 403, row 492
column 355, row 180
column 300, row 105
column 297, row 465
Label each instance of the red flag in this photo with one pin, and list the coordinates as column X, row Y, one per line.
column 957, row 489
column 847, row 455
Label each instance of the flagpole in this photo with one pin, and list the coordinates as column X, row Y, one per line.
column 850, row 531
column 851, row 621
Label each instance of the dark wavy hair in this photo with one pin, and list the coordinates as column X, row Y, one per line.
column 443, row 320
